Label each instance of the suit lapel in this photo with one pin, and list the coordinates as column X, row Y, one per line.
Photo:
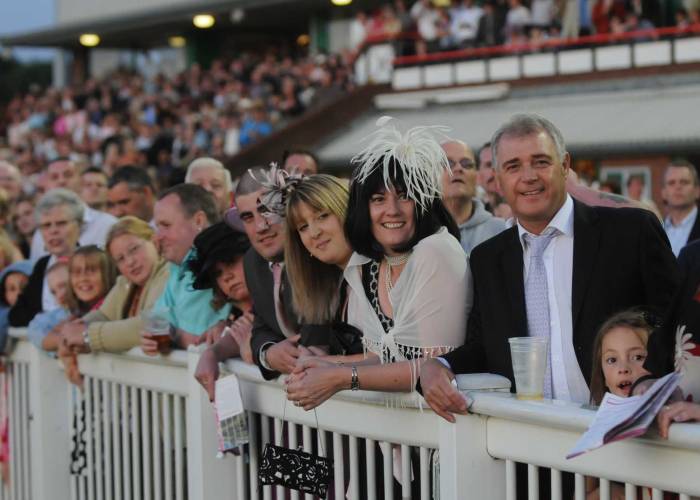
column 586, row 241
column 512, row 265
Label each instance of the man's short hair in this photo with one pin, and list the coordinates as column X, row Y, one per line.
column 63, row 159
column 206, row 162
column 136, row 178
column 522, row 125
column 683, row 163
column 61, row 197
column 248, row 181
column 94, row 170
column 301, row 151
column 194, row 198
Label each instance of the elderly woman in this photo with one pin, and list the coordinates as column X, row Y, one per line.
column 116, row 326
column 408, row 281
column 59, row 215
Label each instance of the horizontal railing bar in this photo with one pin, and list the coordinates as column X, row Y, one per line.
column 408, row 425
column 568, row 416
column 164, row 374
column 669, row 469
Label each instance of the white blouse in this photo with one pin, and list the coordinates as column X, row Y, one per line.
column 431, row 301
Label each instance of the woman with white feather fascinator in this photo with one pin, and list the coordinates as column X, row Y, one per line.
column 409, row 285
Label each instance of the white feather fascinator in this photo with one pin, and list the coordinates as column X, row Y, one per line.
column 417, row 152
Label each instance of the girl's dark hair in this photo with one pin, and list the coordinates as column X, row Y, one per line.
column 637, row 321
column 358, row 224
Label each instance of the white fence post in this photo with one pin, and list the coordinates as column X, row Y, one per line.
column 467, row 471
column 50, row 428
column 208, row 476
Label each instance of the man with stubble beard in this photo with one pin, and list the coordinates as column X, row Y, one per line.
column 274, row 339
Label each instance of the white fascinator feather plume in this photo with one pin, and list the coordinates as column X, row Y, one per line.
column 417, row 152
column 278, row 183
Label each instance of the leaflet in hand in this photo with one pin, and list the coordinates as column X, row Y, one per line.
column 621, row 418
column 231, row 422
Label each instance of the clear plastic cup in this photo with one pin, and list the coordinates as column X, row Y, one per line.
column 529, row 356
column 156, row 323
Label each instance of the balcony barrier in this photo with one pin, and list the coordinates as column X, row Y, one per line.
column 377, row 61
column 147, row 432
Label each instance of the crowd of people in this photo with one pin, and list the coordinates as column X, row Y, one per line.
column 165, row 123
column 392, row 281
column 463, row 24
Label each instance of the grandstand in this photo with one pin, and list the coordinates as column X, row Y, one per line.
column 622, row 98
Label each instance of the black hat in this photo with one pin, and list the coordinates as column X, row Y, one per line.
column 217, row 243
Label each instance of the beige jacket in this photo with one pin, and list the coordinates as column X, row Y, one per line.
column 108, row 329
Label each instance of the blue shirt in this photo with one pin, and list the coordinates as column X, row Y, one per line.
column 678, row 235
column 42, row 324
column 188, row 309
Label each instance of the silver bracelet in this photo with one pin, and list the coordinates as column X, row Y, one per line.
column 86, row 338
column 354, row 380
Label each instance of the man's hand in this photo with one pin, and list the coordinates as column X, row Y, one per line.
column 207, row 371
column 282, row 356
column 438, row 391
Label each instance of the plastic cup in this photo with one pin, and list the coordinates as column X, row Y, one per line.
column 157, row 324
column 529, row 357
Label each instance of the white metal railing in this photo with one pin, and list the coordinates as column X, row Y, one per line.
column 149, row 433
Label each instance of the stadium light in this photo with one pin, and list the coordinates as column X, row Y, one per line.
column 203, row 21
column 341, row 3
column 177, row 42
column 89, row 40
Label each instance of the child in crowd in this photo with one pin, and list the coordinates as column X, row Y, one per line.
column 79, row 286
column 619, row 352
column 12, row 281
column 39, row 327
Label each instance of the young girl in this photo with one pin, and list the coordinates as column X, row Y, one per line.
column 89, row 275
column 619, row 352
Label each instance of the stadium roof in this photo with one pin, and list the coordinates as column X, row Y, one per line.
column 642, row 121
column 151, row 27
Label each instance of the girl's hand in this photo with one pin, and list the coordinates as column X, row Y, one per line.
column 242, row 330
column 316, row 385
column 676, row 412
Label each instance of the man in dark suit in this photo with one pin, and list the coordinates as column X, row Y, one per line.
column 595, row 261
column 681, row 191
column 274, row 341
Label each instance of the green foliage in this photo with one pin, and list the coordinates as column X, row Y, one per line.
column 16, row 77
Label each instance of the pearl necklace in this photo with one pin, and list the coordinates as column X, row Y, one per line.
column 393, row 261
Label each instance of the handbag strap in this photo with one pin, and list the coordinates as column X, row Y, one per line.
column 318, row 427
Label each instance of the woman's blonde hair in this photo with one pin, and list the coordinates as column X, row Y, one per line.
column 96, row 258
column 633, row 319
column 315, row 285
column 129, row 225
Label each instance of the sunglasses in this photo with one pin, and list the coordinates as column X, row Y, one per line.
column 465, row 163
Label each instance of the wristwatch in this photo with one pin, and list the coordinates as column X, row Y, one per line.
column 354, row 380
column 263, row 355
